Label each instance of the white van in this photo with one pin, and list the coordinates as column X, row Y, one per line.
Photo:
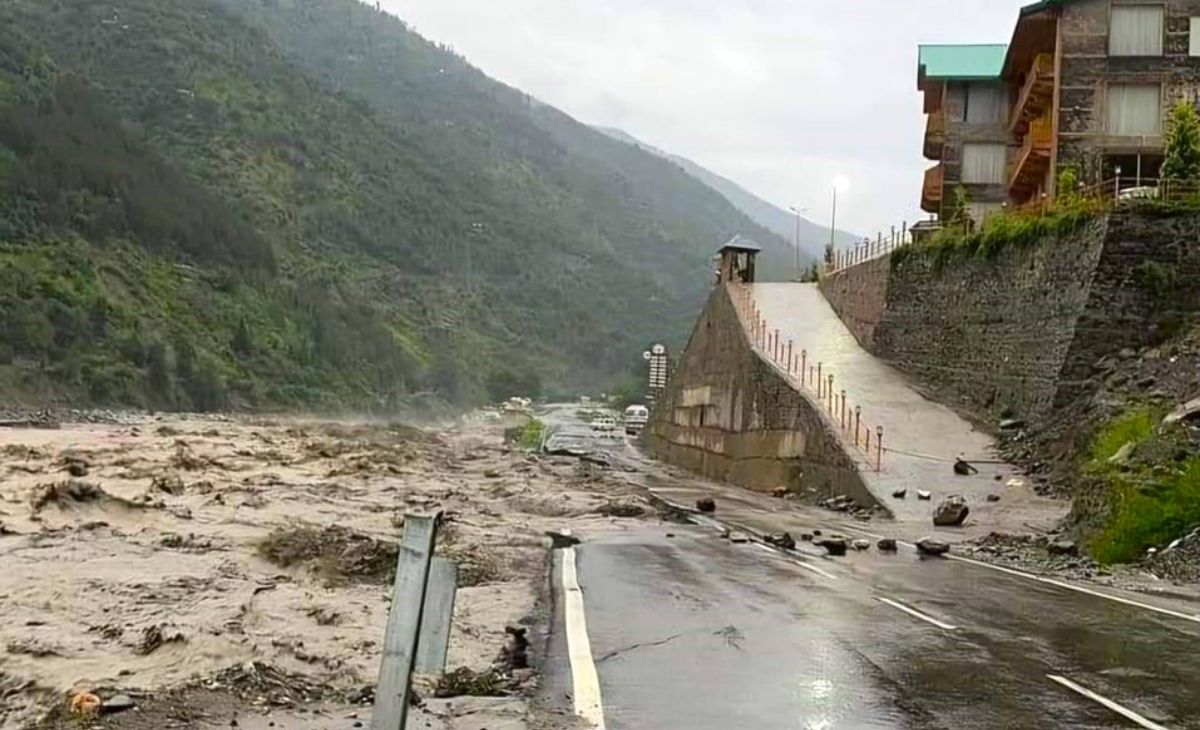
column 636, row 418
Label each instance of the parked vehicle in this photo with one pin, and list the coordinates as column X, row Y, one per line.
column 604, row 424
column 636, row 418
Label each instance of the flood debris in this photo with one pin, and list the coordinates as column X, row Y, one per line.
column 621, row 509
column 861, row 544
column 335, row 552
column 706, row 504
column 832, row 545
column 886, row 544
column 951, row 512
column 466, row 681
column 964, row 468
column 932, row 546
column 782, row 540
column 154, row 637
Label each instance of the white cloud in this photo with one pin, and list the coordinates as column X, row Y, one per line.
column 779, row 95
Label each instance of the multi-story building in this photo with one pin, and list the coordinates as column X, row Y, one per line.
column 1086, row 84
column 966, row 131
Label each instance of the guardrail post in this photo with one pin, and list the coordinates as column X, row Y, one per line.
column 867, row 443
column 818, row 380
column 778, row 347
column 843, row 409
column 803, row 364
column 829, row 394
column 790, row 363
column 857, row 421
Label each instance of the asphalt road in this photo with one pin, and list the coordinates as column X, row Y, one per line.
column 695, row 631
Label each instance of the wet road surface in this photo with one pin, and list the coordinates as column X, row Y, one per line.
column 695, row 631
column 921, row 438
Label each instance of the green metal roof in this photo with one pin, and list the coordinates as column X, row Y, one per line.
column 1040, row 6
column 964, row 62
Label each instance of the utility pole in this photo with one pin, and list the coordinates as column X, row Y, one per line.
column 833, row 221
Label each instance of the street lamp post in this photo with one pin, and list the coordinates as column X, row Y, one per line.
column 796, row 242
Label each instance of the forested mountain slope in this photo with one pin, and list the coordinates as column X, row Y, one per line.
column 813, row 237
column 288, row 202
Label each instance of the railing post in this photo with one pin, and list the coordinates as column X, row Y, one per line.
column 857, row 421
column 843, row 409
column 803, row 364
column 829, row 394
column 789, row 358
column 818, row 380
column 867, row 442
column 810, row 376
column 879, row 448
column 778, row 347
column 904, row 233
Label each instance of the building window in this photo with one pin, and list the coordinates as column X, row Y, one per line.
column 1136, row 30
column 1194, row 37
column 986, row 104
column 1134, row 110
column 956, row 102
column 984, row 164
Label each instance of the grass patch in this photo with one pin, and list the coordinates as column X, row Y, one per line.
column 999, row 233
column 1135, row 426
column 1154, row 497
column 532, row 434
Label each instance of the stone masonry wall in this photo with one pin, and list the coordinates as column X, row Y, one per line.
column 858, row 294
column 729, row 415
column 1023, row 331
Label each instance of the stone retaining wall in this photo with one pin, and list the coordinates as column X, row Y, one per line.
column 1022, row 331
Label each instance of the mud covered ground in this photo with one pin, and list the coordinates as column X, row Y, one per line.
column 236, row 572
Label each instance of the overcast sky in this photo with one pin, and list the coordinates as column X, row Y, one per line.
column 779, row 95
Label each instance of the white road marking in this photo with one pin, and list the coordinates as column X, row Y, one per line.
column 916, row 613
column 1123, row 711
column 796, row 561
column 816, row 570
column 586, row 681
column 1080, row 589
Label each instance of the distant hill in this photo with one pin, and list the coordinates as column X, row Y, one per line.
column 813, row 237
column 213, row 203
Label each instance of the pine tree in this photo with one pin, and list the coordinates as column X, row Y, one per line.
column 1182, row 160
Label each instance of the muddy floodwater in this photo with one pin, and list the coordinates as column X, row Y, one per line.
column 189, row 572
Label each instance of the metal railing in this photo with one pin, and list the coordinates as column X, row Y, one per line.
column 869, row 250
column 809, row 375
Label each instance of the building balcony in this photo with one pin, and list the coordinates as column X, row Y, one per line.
column 1028, row 169
column 931, row 191
column 935, row 135
column 1036, row 95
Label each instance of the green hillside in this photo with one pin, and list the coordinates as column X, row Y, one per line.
column 303, row 203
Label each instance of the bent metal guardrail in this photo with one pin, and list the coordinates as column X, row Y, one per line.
column 808, row 374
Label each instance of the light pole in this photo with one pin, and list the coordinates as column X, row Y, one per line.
column 840, row 182
column 796, row 242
